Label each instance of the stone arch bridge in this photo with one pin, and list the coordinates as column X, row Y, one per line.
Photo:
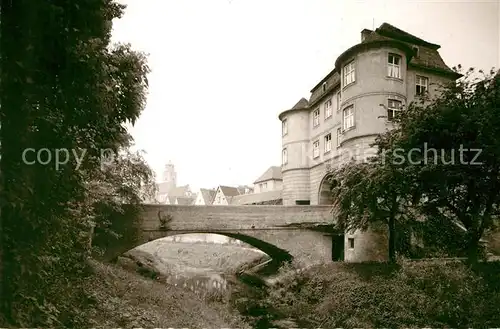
column 303, row 233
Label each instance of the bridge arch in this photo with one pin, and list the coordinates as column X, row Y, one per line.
column 276, row 253
column 282, row 232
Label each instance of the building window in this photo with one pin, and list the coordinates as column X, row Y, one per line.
column 316, row 149
column 350, row 243
column 328, row 108
column 339, row 100
column 265, row 185
column 349, row 74
column 393, row 108
column 328, row 143
column 422, row 85
column 324, row 86
column 339, row 137
column 316, row 118
column 394, row 66
column 284, row 127
column 348, row 117
column 284, row 157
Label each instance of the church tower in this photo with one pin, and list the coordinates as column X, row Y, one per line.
column 170, row 176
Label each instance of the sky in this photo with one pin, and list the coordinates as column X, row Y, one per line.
column 222, row 70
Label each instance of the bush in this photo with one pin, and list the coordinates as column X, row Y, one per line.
column 372, row 295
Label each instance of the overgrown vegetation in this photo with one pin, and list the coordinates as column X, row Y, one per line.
column 120, row 299
column 405, row 295
column 67, row 91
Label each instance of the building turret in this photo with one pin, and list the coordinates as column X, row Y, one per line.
column 295, row 153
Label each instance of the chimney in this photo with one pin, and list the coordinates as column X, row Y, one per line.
column 365, row 33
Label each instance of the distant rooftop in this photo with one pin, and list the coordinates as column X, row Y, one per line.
column 230, row 191
column 273, row 172
column 207, row 195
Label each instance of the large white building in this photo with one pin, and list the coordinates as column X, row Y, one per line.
column 369, row 84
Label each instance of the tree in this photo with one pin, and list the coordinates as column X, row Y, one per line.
column 370, row 192
column 63, row 87
column 454, row 170
column 124, row 179
column 450, row 176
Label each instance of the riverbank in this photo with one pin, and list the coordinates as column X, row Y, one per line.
column 120, row 298
column 410, row 295
column 438, row 293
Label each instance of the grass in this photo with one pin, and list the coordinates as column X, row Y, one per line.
column 120, row 298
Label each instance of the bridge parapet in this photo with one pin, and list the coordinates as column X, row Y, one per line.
column 234, row 217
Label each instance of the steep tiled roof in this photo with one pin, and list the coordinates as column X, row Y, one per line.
column 207, row 195
column 229, row 191
column 374, row 36
column 328, row 76
column 273, row 172
column 332, row 80
column 428, row 56
column 391, row 31
column 256, row 198
column 301, row 104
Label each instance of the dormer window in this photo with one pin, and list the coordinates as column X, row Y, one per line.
column 324, row 86
column 415, row 51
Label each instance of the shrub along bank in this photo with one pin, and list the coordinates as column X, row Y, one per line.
column 414, row 295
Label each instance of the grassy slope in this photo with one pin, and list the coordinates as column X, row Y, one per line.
column 124, row 299
column 415, row 295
